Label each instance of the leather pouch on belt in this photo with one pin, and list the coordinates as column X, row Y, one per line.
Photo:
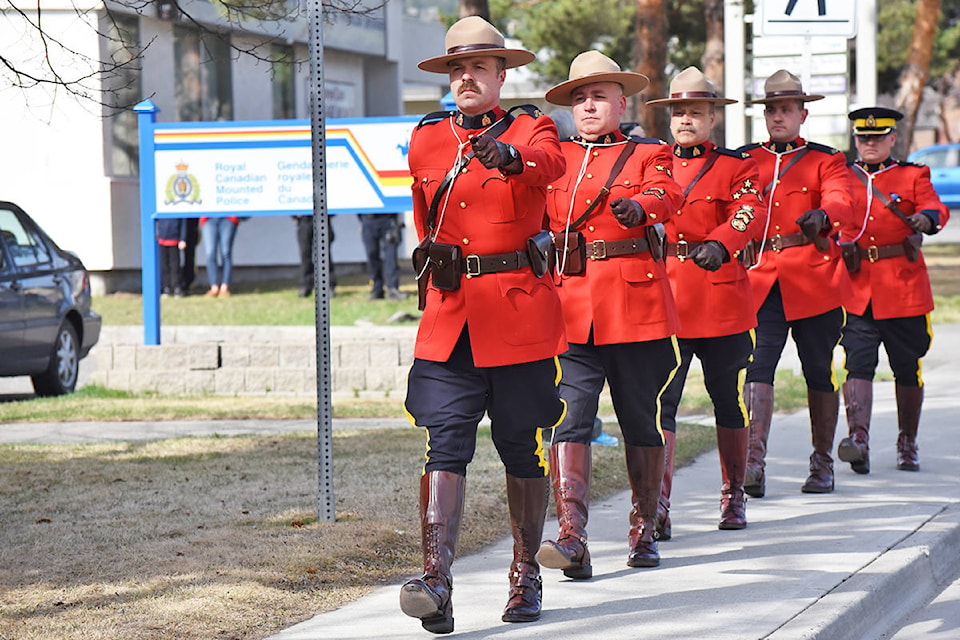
column 851, row 255
column 911, row 246
column 445, row 266
column 655, row 236
column 748, row 255
column 571, row 253
column 421, row 270
column 541, row 253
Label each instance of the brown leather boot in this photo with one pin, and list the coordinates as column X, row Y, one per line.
column 759, row 400
column 441, row 509
column 527, row 500
column 732, row 445
column 664, row 526
column 645, row 470
column 824, row 407
column 570, row 465
column 909, row 403
column 855, row 448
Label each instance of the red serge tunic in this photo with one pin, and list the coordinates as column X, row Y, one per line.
column 810, row 281
column 723, row 205
column 513, row 316
column 623, row 298
column 897, row 287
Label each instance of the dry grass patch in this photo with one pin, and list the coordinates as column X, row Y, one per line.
column 218, row 537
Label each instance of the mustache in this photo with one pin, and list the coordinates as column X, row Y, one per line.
column 686, row 130
column 467, row 86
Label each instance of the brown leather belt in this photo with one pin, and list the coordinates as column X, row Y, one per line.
column 476, row 265
column 874, row 253
column 603, row 249
column 681, row 250
column 779, row 242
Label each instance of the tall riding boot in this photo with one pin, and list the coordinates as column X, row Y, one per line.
column 732, row 445
column 527, row 500
column 909, row 403
column 441, row 509
column 824, row 407
column 570, row 465
column 664, row 526
column 759, row 400
column 645, row 470
column 855, row 448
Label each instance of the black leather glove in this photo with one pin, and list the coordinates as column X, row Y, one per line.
column 494, row 154
column 812, row 222
column 709, row 255
column 628, row 212
column 921, row 223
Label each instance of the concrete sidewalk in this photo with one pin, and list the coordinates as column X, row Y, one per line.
column 846, row 565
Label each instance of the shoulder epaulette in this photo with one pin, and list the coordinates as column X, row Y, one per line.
column 531, row 110
column 907, row 163
column 732, row 153
column 639, row 140
column 434, row 118
column 822, row 148
column 749, row 147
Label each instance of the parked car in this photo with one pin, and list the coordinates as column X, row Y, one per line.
column 46, row 323
column 944, row 163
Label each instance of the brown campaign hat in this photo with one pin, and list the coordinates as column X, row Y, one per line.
column 783, row 85
column 590, row 67
column 691, row 85
column 874, row 121
column 474, row 36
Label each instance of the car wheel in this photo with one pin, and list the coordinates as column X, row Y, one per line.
column 61, row 375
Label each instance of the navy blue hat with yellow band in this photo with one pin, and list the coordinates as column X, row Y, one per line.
column 874, row 121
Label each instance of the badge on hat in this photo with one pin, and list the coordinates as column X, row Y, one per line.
column 874, row 121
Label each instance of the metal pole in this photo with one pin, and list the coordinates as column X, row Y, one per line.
column 734, row 46
column 326, row 511
column 866, row 53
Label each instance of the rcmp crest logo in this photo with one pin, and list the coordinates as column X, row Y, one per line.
column 182, row 187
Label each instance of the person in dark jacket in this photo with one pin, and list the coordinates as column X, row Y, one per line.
column 172, row 238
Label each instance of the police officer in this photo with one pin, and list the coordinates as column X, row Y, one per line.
column 889, row 298
column 720, row 215
column 796, row 281
column 491, row 328
column 620, row 317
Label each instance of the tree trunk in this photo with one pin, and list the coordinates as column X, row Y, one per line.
column 475, row 8
column 712, row 60
column 913, row 77
column 650, row 59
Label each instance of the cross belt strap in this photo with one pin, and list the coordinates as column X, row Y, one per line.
column 882, row 197
column 603, row 249
column 682, row 249
column 476, row 265
column 779, row 242
column 498, row 128
column 783, row 170
column 605, row 189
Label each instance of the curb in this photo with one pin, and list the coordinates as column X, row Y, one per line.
column 873, row 600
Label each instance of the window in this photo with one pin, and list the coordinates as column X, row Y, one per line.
column 121, row 46
column 204, row 89
column 283, row 72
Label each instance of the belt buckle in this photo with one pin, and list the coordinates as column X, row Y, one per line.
column 873, row 253
column 598, row 250
column 776, row 243
column 683, row 250
column 473, row 265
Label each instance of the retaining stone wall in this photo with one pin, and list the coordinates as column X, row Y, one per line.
column 369, row 361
